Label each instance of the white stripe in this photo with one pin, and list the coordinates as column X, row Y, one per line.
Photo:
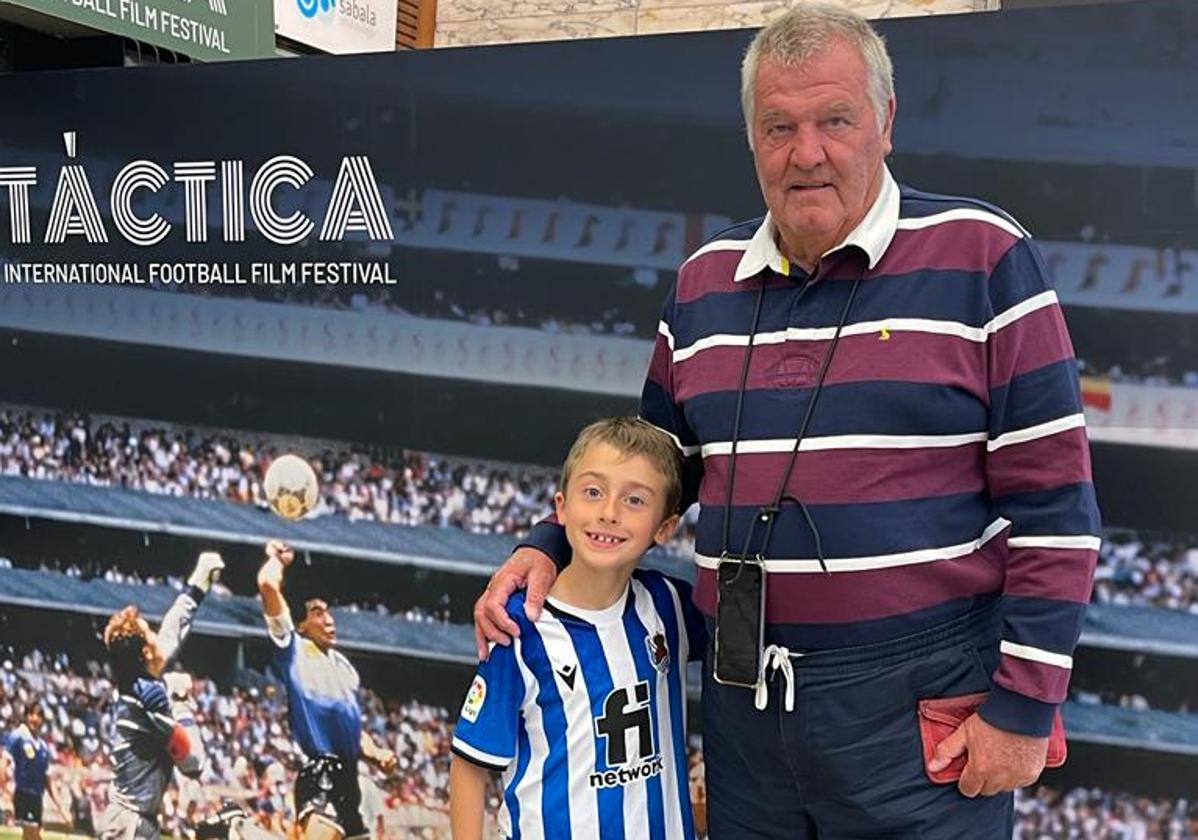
column 485, row 757
column 664, row 329
column 1040, row 430
column 1034, row 654
column 528, row 790
column 686, row 451
column 962, row 214
column 934, row 326
column 1025, row 307
column 880, row 561
column 817, row 444
column 1079, row 542
column 617, row 650
column 921, row 325
column 646, row 611
column 720, row 245
column 580, row 750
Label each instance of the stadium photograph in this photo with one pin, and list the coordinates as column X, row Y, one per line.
column 276, row 403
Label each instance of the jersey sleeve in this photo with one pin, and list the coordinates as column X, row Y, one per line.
column 1038, row 474
column 693, row 624
column 489, row 721
column 176, row 624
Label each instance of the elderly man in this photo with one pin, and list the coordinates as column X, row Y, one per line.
column 876, row 393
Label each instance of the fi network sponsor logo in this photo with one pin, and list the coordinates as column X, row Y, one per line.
column 310, row 8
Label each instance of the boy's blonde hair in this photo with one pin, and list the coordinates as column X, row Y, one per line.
column 632, row 436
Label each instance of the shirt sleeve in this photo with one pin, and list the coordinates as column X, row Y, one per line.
column 490, row 718
column 693, row 622
column 660, row 407
column 1038, row 475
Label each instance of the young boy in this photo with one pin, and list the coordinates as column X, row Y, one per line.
column 585, row 714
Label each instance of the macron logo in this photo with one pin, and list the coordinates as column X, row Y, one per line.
column 309, row 8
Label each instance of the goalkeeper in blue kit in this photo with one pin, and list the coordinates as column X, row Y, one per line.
column 155, row 729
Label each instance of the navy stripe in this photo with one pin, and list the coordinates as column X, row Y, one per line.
column 636, row 634
column 937, row 294
column 853, row 530
column 599, row 685
column 1019, row 275
column 1071, row 509
column 663, row 602
column 661, row 411
column 847, row 408
column 555, row 794
column 1039, row 622
column 1035, row 397
column 739, row 231
column 917, row 204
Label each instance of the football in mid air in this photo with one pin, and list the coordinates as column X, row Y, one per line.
column 291, row 487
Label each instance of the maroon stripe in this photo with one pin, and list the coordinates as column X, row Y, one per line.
column 710, row 273
column 1046, row 683
column 847, row 597
column 1035, row 340
column 966, row 245
column 1041, row 464
column 1063, row 574
column 894, row 356
column 847, row 476
column 659, row 364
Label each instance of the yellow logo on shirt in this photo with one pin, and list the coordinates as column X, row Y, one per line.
column 30, row 752
column 884, row 335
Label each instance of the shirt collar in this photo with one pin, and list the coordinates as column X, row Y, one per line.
column 872, row 236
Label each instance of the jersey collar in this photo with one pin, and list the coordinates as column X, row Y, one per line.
column 873, row 235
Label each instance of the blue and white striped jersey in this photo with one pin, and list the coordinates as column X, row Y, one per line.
column 585, row 715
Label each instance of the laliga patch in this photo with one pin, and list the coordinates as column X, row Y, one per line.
column 475, row 697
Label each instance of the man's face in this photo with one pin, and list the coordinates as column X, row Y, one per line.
column 818, row 149
column 613, row 508
column 319, row 624
column 33, row 719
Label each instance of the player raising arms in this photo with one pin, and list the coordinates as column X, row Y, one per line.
column 30, row 757
column 323, row 709
column 155, row 729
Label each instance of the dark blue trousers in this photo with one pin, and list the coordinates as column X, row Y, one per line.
column 847, row 763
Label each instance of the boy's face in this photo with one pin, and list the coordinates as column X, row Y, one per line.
column 614, row 508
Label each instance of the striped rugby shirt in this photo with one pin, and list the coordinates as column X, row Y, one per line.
column 946, row 461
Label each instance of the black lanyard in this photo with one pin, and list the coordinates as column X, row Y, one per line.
column 769, row 514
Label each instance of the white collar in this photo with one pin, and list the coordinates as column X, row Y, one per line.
column 872, row 235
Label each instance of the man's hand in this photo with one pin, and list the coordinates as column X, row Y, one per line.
column 279, row 556
column 207, row 571
column 527, row 567
column 997, row 760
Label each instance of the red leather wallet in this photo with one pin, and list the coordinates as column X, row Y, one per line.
column 940, row 718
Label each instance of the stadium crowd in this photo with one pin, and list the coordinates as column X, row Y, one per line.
column 1143, row 570
column 415, row 488
column 254, row 762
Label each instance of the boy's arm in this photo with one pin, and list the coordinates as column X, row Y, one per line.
column 380, row 757
column 467, row 799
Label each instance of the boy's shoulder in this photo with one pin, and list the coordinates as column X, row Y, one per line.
column 515, row 608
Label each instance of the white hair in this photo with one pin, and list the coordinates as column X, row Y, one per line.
column 805, row 31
